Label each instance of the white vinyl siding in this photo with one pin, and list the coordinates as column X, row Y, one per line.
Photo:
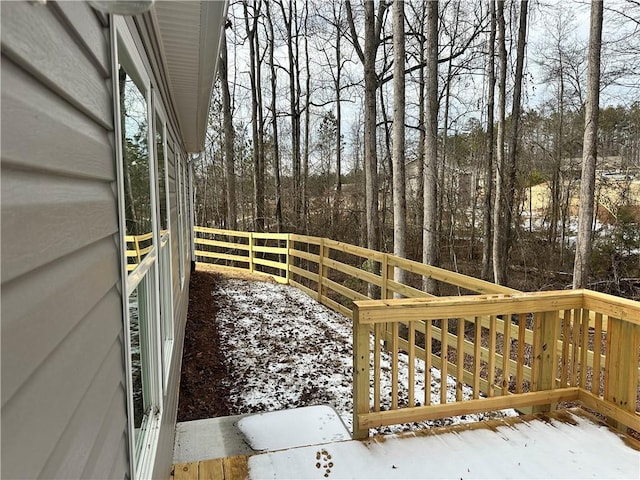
column 64, row 378
column 63, row 382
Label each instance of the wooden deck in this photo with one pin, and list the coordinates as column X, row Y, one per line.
column 217, row 469
column 234, row 468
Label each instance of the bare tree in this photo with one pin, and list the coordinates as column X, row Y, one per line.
column 500, row 204
column 256, row 126
column 290, row 19
column 488, row 182
column 372, row 28
column 510, row 188
column 274, row 120
column 430, row 244
column 590, row 144
column 399, row 189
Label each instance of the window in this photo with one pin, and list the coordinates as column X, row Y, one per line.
column 180, row 207
column 164, row 259
column 140, row 164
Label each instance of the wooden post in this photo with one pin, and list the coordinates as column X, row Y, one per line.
column 544, row 355
column 251, row 266
column 384, row 294
column 360, row 373
column 137, row 246
column 621, row 368
column 321, row 271
column 287, row 272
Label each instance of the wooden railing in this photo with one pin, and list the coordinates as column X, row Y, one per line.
column 334, row 273
column 137, row 247
column 530, row 377
column 588, row 365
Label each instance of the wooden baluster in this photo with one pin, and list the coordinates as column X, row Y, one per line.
column 460, row 360
column 554, row 349
column 377, row 338
column 444, row 329
column 522, row 325
column 575, row 342
column 412, row 363
column 477, row 343
column 584, row 348
column 394, row 366
column 506, row 353
column 597, row 349
column 427, row 361
column 491, row 377
column 566, row 341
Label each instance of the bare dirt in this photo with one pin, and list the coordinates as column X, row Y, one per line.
column 204, row 384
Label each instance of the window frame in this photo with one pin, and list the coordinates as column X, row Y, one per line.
column 167, row 325
column 142, row 453
column 180, row 212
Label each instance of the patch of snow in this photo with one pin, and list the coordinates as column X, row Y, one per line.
column 285, row 350
column 526, row 450
column 293, row 428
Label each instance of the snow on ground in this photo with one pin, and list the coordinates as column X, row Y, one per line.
column 536, row 449
column 297, row 427
column 285, row 350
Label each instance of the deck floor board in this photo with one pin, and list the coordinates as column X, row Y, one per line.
column 239, row 467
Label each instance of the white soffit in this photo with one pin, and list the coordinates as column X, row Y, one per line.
column 190, row 34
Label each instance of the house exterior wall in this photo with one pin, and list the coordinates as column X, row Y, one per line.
column 64, row 380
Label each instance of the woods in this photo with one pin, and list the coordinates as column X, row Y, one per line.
column 449, row 132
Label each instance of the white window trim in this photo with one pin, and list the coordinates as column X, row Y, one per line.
column 180, row 213
column 140, row 466
column 166, row 282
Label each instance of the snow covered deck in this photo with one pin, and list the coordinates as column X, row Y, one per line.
column 562, row 444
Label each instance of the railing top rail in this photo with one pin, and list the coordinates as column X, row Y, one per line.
column 220, row 231
column 406, row 309
column 305, row 238
column 617, row 307
column 447, row 276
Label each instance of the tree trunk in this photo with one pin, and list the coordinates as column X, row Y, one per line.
column 294, row 99
column 430, row 234
column 421, row 130
column 258, row 179
column 513, row 143
column 590, row 144
column 399, row 191
column 229, row 160
column 307, row 126
column 337, row 203
column 261, row 207
column 499, row 203
column 370, row 150
column 274, row 124
column 488, row 187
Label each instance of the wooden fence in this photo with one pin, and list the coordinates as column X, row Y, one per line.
column 587, row 366
column 137, row 247
column 481, row 328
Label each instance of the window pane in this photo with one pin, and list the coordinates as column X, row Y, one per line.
column 135, row 155
column 136, row 359
column 160, row 161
